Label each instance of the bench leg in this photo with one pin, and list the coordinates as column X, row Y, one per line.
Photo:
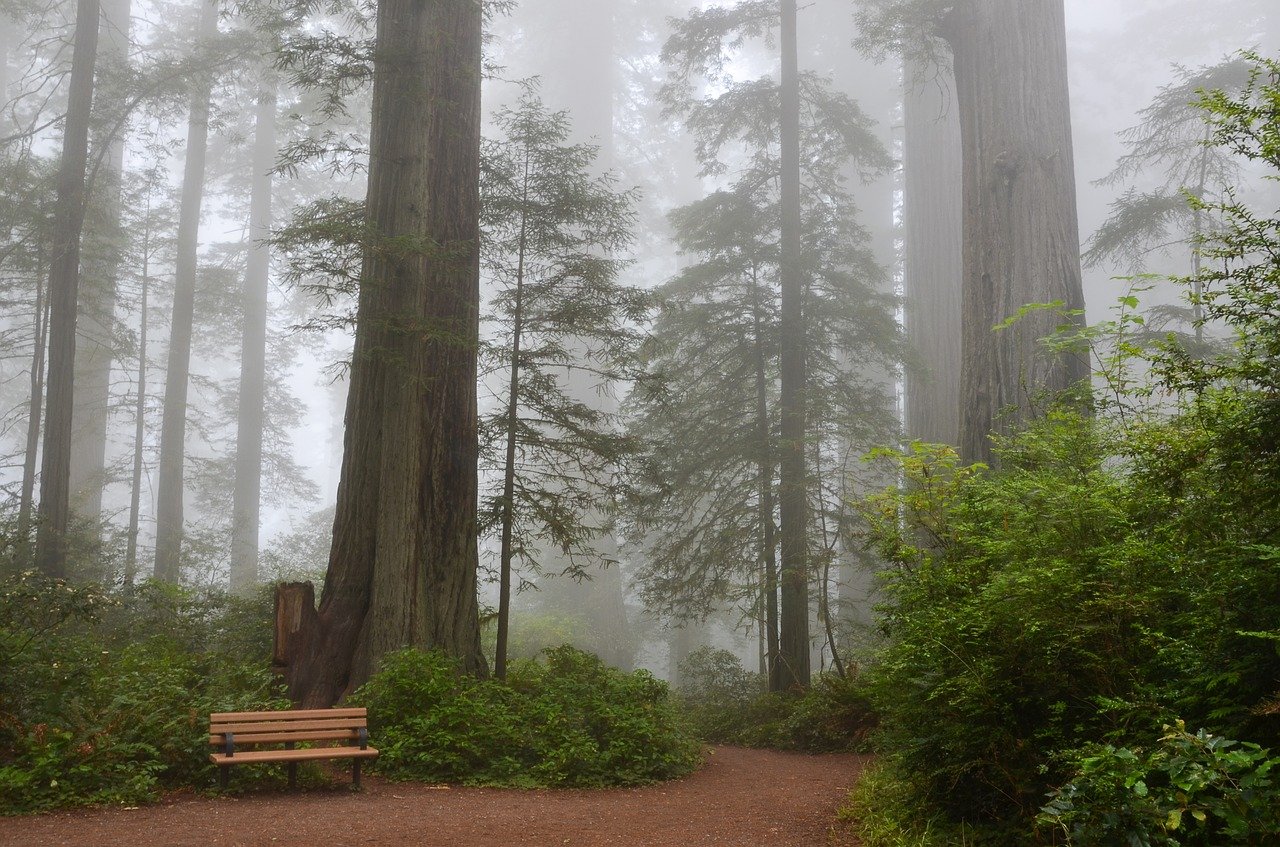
column 355, row 774
column 293, row 775
column 222, row 777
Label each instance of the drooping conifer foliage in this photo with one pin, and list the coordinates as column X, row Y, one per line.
column 562, row 319
column 710, row 516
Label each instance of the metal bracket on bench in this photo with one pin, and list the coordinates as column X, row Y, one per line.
column 363, row 735
column 229, row 743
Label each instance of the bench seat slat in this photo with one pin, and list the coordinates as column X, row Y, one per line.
column 293, row 714
column 281, row 737
column 293, row 755
column 287, row 726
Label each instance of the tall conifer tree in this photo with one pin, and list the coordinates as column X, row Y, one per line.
column 403, row 566
column 173, row 429
column 64, row 284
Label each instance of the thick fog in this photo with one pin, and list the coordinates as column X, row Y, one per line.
column 599, row 61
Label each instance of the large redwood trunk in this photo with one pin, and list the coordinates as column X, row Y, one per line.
column 793, row 667
column 933, row 212
column 402, row 571
column 1021, row 235
column 64, row 284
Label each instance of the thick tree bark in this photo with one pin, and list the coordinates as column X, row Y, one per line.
column 1021, row 235
column 95, row 327
column 64, row 283
column 173, row 427
column 933, row 214
column 403, row 566
column 794, row 660
column 247, row 494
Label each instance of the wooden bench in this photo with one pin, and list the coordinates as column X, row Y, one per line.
column 229, row 730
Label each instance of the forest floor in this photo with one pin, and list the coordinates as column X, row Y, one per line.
column 745, row 798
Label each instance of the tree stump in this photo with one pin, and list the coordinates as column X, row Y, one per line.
column 295, row 627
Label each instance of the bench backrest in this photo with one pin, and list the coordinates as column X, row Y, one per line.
column 287, row 727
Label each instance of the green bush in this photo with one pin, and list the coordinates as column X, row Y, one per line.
column 105, row 698
column 724, row 703
column 882, row 812
column 1069, row 598
column 565, row 721
column 1117, row 569
column 1191, row 791
column 716, row 694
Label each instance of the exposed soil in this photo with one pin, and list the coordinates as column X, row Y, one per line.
column 740, row 797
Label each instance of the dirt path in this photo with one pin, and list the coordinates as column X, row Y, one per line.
column 742, row 798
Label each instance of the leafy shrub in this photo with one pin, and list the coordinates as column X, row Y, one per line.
column 567, row 720
column 724, row 703
column 716, row 693
column 1069, row 598
column 834, row 714
column 1196, row 790
column 881, row 812
column 104, row 698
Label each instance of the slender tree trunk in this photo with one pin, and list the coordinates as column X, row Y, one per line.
column 95, row 327
column 828, row 619
column 933, row 214
column 793, row 496
column 64, row 283
column 139, row 418
column 26, row 501
column 403, row 566
column 1021, row 235
column 173, row 427
column 247, row 494
column 764, row 464
column 830, row 542
column 582, row 60
column 509, row 467
column 1197, row 230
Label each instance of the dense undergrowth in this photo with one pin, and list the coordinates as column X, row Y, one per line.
column 105, row 698
column 726, row 704
column 1072, row 638
column 565, row 720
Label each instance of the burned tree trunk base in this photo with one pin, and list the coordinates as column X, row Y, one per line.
column 297, row 629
